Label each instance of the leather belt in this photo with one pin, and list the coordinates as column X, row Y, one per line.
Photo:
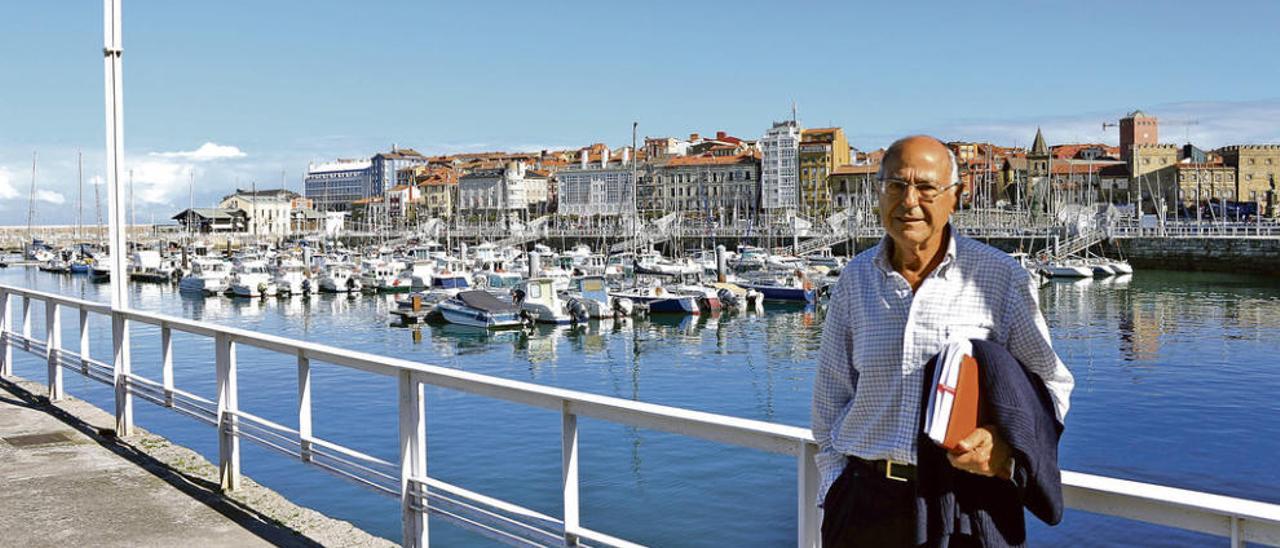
column 893, row 470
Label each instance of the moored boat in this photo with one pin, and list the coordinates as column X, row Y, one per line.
column 477, row 308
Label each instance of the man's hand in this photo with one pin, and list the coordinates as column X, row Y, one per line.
column 984, row 453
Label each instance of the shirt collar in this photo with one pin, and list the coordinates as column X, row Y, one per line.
column 944, row 268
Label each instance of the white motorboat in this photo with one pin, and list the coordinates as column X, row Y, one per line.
column 209, row 276
column 148, row 266
column 292, row 278
column 537, row 297
column 384, row 276
column 252, row 279
column 417, row 273
column 590, row 293
column 476, row 308
column 339, row 277
column 446, row 284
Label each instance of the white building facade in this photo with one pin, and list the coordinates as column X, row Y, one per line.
column 780, row 167
column 512, row 188
column 591, row 189
column 268, row 211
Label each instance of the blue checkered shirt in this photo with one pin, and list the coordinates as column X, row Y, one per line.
column 878, row 336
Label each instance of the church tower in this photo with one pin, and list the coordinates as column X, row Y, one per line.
column 1038, row 158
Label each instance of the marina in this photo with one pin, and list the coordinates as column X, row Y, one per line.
column 1136, row 343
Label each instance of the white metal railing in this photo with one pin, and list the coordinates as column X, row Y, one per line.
column 1239, row 519
column 1191, row 229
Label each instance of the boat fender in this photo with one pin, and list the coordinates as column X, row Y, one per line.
column 517, row 297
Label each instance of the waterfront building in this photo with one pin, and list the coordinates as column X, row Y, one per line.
column 821, row 151
column 1257, row 170
column 334, row 185
column 1085, row 151
column 855, row 185
column 212, row 220
column 402, row 202
column 1203, row 183
column 1114, row 184
column 1151, row 169
column 1136, row 129
column 603, row 187
column 385, row 167
column 513, row 187
column 723, row 187
column 437, row 183
column 268, row 211
column 779, row 167
column 664, row 147
column 369, row 212
column 303, row 220
column 1079, row 181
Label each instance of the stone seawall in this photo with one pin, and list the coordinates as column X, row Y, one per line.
column 1222, row 254
column 1209, row 253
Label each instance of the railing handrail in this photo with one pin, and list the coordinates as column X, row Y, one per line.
column 1239, row 519
column 768, row 436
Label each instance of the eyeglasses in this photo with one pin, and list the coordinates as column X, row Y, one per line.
column 897, row 188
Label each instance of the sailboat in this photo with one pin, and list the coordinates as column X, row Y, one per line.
column 83, row 261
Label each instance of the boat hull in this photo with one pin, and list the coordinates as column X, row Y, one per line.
column 784, row 294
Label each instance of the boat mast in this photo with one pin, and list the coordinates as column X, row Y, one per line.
column 31, row 200
column 80, row 197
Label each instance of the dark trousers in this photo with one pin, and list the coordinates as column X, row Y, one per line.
column 865, row 508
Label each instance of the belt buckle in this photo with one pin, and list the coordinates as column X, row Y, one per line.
column 888, row 471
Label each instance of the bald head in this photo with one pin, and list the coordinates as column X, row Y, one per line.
column 921, row 150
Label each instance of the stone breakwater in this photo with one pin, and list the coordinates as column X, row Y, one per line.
column 1212, row 253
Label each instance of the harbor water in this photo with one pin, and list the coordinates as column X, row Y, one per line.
column 1176, row 383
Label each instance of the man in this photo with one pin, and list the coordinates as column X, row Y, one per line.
column 893, row 309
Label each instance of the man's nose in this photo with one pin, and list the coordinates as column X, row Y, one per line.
column 911, row 197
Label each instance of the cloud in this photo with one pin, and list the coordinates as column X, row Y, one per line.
column 7, row 191
column 158, row 181
column 206, row 152
column 51, row 197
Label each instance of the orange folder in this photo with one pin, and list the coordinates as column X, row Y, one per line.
column 966, row 411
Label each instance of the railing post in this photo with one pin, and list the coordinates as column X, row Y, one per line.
column 413, row 461
column 809, row 520
column 569, row 472
column 84, row 341
column 26, row 323
column 53, row 348
column 166, row 363
column 6, row 351
column 304, row 407
column 121, row 368
column 228, row 404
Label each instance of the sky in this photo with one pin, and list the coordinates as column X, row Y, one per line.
column 235, row 93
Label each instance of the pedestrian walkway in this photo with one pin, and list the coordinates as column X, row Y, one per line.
column 65, row 480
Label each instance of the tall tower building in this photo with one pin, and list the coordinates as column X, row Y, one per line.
column 779, row 166
column 1138, row 128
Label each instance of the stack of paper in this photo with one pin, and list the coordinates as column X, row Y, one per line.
column 954, row 402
